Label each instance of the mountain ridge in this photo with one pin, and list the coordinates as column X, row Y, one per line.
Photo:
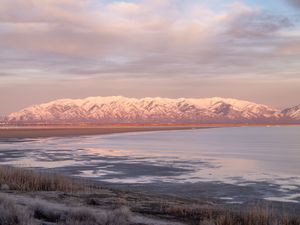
column 119, row 109
column 293, row 112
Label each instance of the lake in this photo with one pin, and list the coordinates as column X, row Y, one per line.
column 266, row 160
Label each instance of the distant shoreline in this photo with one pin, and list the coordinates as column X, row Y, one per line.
column 63, row 130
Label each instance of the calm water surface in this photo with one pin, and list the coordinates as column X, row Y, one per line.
column 237, row 155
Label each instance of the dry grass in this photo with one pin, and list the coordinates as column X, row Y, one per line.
column 42, row 212
column 216, row 216
column 81, row 216
column 28, row 180
column 10, row 214
column 87, row 214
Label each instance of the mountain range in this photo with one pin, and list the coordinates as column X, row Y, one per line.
column 118, row 109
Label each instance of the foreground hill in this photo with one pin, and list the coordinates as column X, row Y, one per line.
column 30, row 197
column 118, row 109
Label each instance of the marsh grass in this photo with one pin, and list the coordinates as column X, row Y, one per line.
column 27, row 214
column 18, row 179
column 37, row 212
column 220, row 216
column 28, row 180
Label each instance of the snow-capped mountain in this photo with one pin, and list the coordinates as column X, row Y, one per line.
column 293, row 112
column 118, row 109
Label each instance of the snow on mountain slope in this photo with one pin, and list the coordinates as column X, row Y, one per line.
column 118, row 109
column 293, row 112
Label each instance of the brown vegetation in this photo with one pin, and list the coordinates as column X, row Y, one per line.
column 80, row 216
column 221, row 216
column 75, row 203
column 29, row 180
column 10, row 214
column 42, row 212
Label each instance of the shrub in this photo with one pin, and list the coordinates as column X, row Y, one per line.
column 28, row 180
column 47, row 214
column 119, row 216
column 10, row 214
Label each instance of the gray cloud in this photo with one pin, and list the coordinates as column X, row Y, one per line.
column 294, row 2
column 253, row 25
column 66, row 48
column 85, row 38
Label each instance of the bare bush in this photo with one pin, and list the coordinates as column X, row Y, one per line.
column 84, row 216
column 119, row 216
column 80, row 215
column 45, row 213
column 220, row 216
column 10, row 214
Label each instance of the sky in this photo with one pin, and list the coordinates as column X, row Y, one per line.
column 55, row 49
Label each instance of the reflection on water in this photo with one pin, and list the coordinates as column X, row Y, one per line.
column 241, row 156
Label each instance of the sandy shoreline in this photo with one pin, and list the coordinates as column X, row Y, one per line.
column 37, row 132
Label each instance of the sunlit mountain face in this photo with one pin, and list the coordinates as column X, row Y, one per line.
column 118, row 109
column 293, row 112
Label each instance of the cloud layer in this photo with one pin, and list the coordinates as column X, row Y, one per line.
column 87, row 37
column 295, row 2
column 147, row 40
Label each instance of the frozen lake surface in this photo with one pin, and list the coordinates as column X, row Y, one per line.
column 263, row 158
